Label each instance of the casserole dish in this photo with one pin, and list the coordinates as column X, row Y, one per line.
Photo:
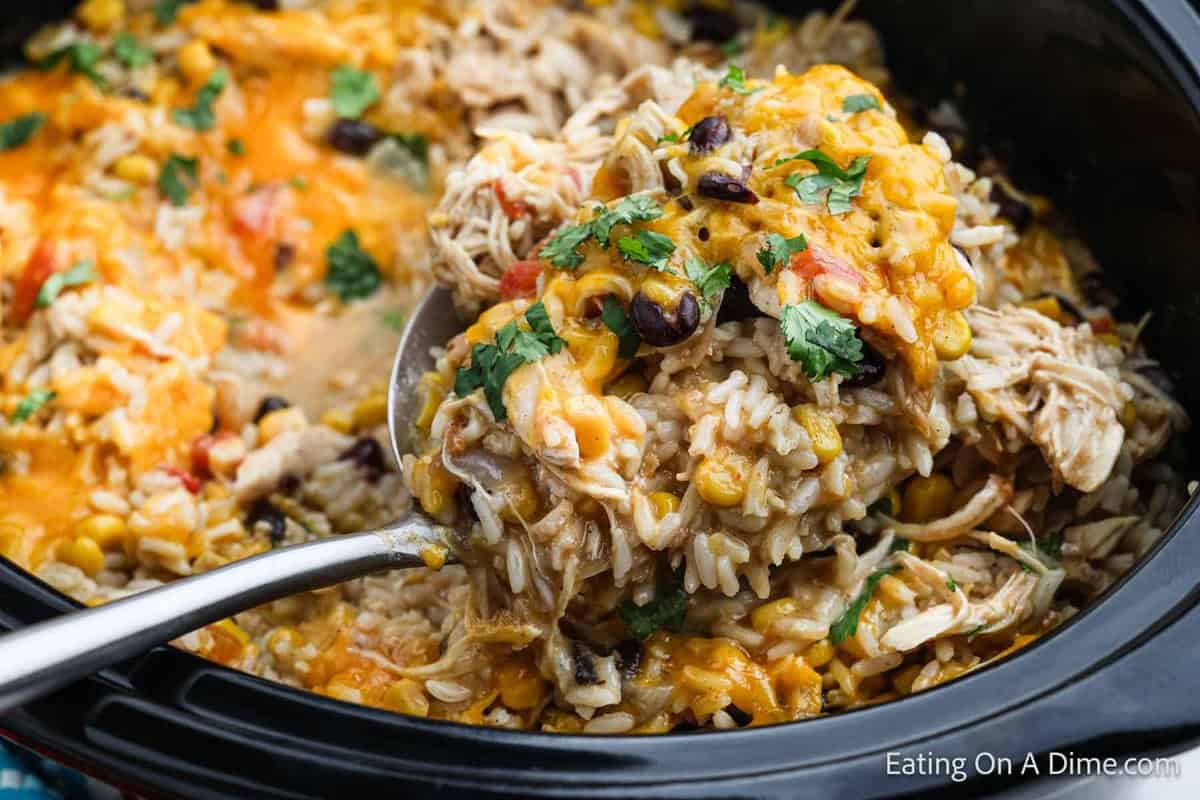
column 234, row 735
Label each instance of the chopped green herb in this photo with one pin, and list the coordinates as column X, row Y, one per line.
column 165, row 11
column 177, row 176
column 614, row 317
column 668, row 610
column 492, row 364
column 952, row 585
column 79, row 274
column 676, row 137
column 732, row 47
column 29, row 405
column 709, row 281
column 130, row 52
column 393, row 320
column 779, row 250
column 860, row 102
column 647, row 247
column 235, row 147
column 978, row 629
column 636, row 208
column 299, row 183
column 735, row 80
column 200, row 117
column 561, row 249
column 846, row 625
column 352, row 273
column 18, row 130
column 840, row 185
column 821, row 340
column 1050, row 545
column 81, row 57
column 352, row 91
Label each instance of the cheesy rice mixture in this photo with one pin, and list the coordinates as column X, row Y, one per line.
column 769, row 405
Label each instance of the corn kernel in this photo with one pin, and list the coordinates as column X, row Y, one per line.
column 371, row 411
column 196, row 61
column 1110, row 339
column 822, row 432
column 340, row 690
column 408, row 697
column 927, row 499
column 433, row 387
column 101, row 15
column 721, row 481
column 763, row 617
column 339, row 419
column 82, row 552
column 521, row 501
column 952, row 337
column 106, row 530
column 1129, row 415
column 1046, row 305
column 230, row 627
column 819, row 653
column 434, row 488
column 664, row 503
column 284, row 420
column 135, row 168
column 520, row 688
column 627, row 385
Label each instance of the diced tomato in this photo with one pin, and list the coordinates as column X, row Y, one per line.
column 813, row 261
column 189, row 481
column 512, row 208
column 1102, row 325
column 520, row 280
column 37, row 270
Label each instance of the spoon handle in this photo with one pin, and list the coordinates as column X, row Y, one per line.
column 40, row 658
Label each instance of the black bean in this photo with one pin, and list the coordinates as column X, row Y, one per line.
column 661, row 328
column 723, row 187
column 285, row 254
column 703, row 234
column 712, row 24
column 367, row 453
column 629, row 658
column 870, row 370
column 736, row 304
column 353, row 136
column 739, row 716
column 585, row 665
column 271, row 402
column 1012, row 208
column 264, row 511
column 266, row 5
column 687, row 726
column 709, row 134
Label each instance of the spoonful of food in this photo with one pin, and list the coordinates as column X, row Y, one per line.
column 40, row 658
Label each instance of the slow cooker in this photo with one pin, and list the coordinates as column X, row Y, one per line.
column 1100, row 101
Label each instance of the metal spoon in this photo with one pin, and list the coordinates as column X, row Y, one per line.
column 40, row 658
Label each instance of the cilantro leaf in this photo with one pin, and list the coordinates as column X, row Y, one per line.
column 130, row 52
column 676, row 137
column 842, row 184
column 735, row 80
column 30, row 404
column 177, row 176
column 709, row 281
column 668, row 610
column 732, row 47
column 200, row 117
column 492, row 364
column 636, row 208
column 647, row 247
column 821, row 340
column 393, row 319
column 846, row 625
column 81, row 57
column 860, row 102
column 952, row 585
column 779, row 250
column 615, row 318
column 352, row 91
column 79, row 274
column 18, row 130
column 165, row 11
column 352, row 273
column 561, row 249
column 235, row 147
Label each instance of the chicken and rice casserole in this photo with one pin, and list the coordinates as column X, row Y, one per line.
column 777, row 397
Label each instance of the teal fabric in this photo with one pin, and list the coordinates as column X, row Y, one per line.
column 24, row 775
